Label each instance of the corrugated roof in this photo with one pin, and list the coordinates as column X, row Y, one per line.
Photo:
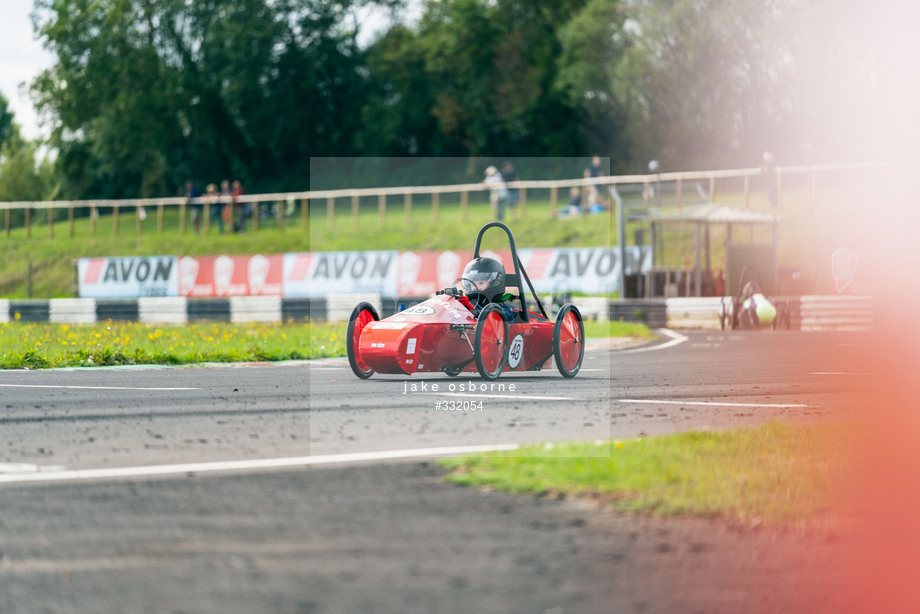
column 712, row 213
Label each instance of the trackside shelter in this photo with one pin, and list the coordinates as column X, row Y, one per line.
column 763, row 257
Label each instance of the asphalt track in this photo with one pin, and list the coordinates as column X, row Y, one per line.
column 220, row 532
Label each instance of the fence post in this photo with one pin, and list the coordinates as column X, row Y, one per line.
column 382, row 208
column 28, row 222
column 159, row 218
column 93, row 213
column 812, row 196
column 712, row 187
column 70, row 220
column 523, row 203
column 436, row 206
column 182, row 218
column 115, row 219
column 50, row 222
column 330, row 212
column 747, row 191
column 553, row 200
column 779, row 189
column 680, row 191
column 255, row 216
column 408, row 206
column 6, row 217
column 137, row 220
column 281, row 206
column 207, row 216
column 355, row 207
column 464, row 205
column 305, row 214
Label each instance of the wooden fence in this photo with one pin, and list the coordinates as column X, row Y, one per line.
column 139, row 208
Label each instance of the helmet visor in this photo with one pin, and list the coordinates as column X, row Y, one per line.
column 480, row 280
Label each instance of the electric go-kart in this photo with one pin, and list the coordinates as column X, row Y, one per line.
column 750, row 308
column 442, row 335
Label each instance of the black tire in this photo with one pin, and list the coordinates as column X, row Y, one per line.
column 489, row 339
column 564, row 356
column 359, row 319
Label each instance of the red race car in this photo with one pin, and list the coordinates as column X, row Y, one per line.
column 474, row 326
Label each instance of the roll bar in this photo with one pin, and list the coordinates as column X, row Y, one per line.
column 519, row 269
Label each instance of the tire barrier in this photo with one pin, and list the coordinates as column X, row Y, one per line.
column 808, row 313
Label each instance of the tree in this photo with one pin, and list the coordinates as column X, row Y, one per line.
column 22, row 177
column 147, row 94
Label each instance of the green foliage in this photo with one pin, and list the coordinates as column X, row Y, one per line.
column 145, row 95
column 22, row 176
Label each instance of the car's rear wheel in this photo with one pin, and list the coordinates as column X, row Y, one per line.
column 362, row 315
column 569, row 340
column 490, row 343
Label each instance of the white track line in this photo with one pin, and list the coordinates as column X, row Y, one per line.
column 243, row 465
column 676, row 339
column 90, row 387
column 710, row 403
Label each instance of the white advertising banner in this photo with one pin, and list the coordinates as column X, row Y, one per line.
column 592, row 270
column 128, row 277
column 317, row 274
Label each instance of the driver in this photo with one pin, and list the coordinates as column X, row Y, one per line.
column 483, row 282
column 760, row 310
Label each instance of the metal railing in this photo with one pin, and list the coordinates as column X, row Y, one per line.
column 280, row 203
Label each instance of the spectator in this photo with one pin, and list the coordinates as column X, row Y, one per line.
column 498, row 192
column 227, row 214
column 243, row 210
column 192, row 192
column 212, row 197
column 595, row 170
column 574, row 207
column 514, row 194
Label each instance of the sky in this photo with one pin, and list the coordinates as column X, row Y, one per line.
column 21, row 59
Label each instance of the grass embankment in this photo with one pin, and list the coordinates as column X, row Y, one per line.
column 123, row 343
column 778, row 473
column 805, row 234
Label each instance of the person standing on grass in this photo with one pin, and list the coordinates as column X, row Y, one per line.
column 595, row 170
column 514, row 194
column 211, row 197
column 498, row 192
column 226, row 206
column 192, row 192
column 243, row 210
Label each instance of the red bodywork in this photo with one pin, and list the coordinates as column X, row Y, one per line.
column 438, row 334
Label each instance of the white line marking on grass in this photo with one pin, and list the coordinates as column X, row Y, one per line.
column 244, row 465
column 676, row 339
column 91, row 387
column 710, row 403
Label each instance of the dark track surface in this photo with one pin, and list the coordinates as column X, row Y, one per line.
column 391, row 538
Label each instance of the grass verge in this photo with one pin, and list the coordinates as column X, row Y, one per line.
column 38, row 346
column 778, row 473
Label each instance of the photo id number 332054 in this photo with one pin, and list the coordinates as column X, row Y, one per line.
column 458, row 405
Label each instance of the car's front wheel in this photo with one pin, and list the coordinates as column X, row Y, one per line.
column 362, row 315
